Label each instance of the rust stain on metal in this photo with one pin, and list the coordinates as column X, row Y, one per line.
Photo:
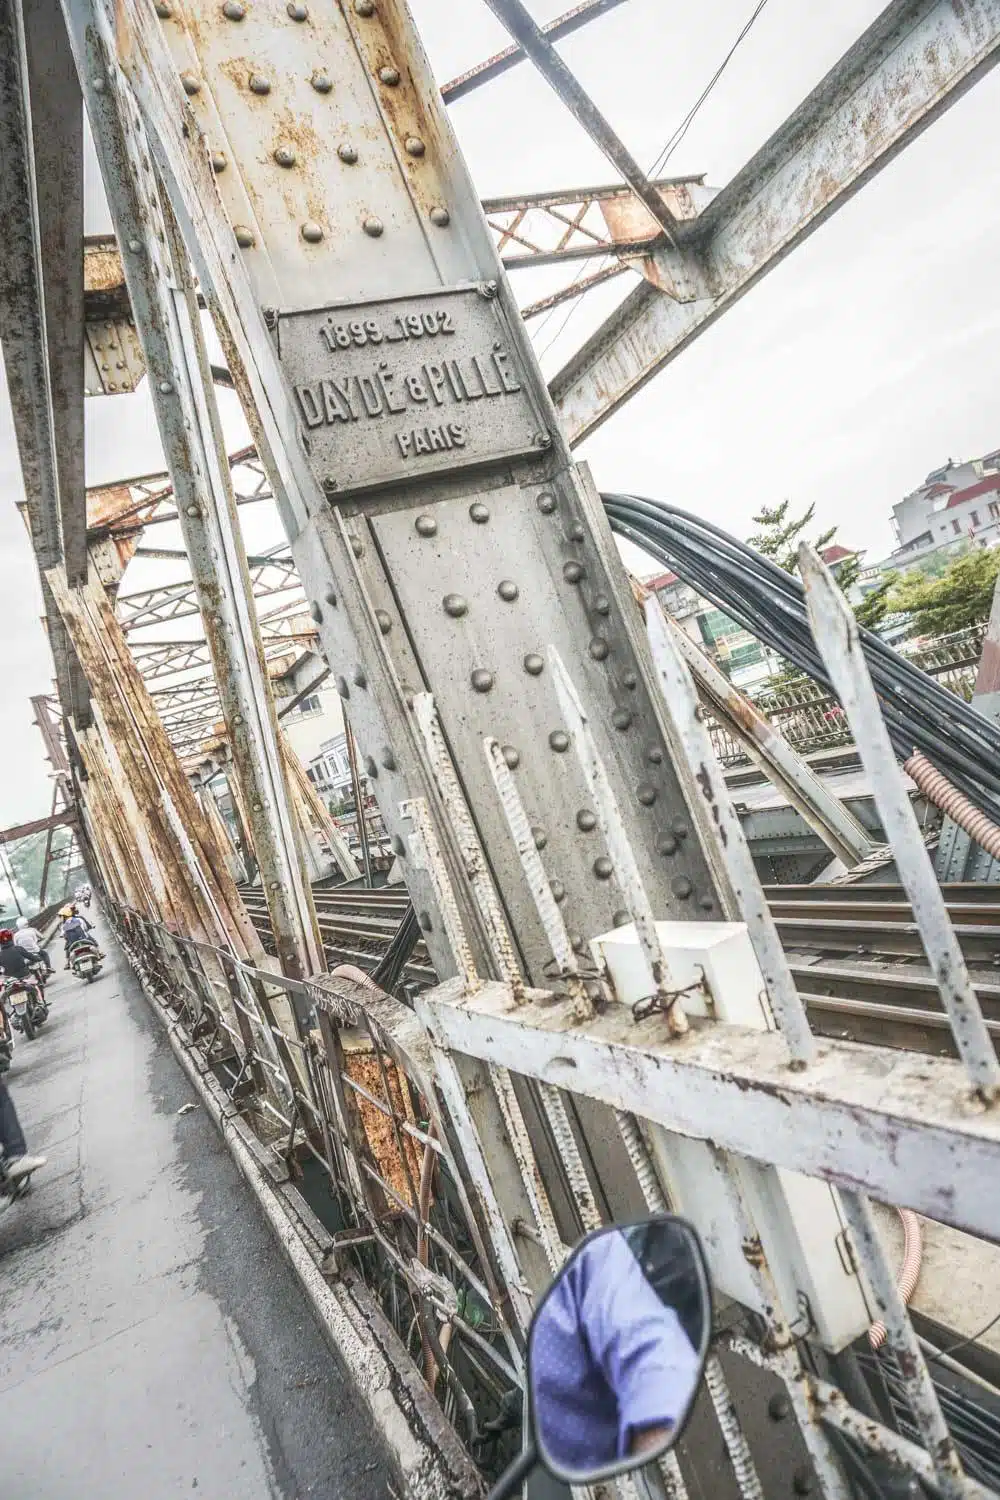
column 362, row 1065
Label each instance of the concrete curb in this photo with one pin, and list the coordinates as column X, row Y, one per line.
column 430, row 1461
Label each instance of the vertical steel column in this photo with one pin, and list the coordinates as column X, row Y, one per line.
column 168, row 323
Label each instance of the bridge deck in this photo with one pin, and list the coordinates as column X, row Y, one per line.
column 153, row 1340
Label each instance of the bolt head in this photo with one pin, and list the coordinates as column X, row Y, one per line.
column 540, row 837
column 244, row 236
column 558, row 891
column 599, row 648
column 190, row 83
column 646, row 794
column 388, row 759
column 285, row 156
column 371, row 769
column 542, row 440
column 654, row 755
column 296, row 12
column 233, row 10
column 681, row 887
column 455, row 605
column 220, row 161
column 511, row 757
column 321, row 82
column 424, row 921
column 135, row 246
column 546, row 503
column 364, row 7
column 384, row 621
column 621, row 719
column 559, row 741
column 373, row 226
column 482, row 680
column 425, row 525
column 508, row 590
column 440, row 217
column 331, row 597
column 534, row 664
column 311, row 232
column 603, row 868
column 414, row 145
column 666, row 844
column 586, row 820
column 572, row 571
column 316, row 613
column 360, row 680
column 575, row 531
column 488, row 289
column 166, row 387
column 163, row 10
column 479, row 513
column 347, row 154
column 602, row 605
column 389, row 76
column 192, row 511
column 621, row 918
column 342, row 687
column 259, row 84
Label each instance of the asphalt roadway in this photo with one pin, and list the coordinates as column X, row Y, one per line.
column 153, row 1341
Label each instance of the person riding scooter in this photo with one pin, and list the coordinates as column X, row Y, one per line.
column 30, row 939
column 74, row 929
column 15, row 962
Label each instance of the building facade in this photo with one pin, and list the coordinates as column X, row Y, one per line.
column 956, row 506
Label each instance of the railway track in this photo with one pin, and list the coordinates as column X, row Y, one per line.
column 854, row 951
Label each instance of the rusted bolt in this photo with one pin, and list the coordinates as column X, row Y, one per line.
column 244, row 236
column 219, row 161
column 546, row 503
column 163, row 10
column 285, row 156
column 259, row 84
column 193, row 512
column 440, row 217
column 296, row 12
column 414, row 145
column 233, row 10
column 321, row 83
column 373, row 226
column 190, row 83
column 487, row 289
column 347, row 154
column 364, row 7
column 389, row 76
column 311, row 232
column 542, row 440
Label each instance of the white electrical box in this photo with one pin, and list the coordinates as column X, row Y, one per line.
column 799, row 1219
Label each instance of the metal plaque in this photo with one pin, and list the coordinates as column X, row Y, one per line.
column 392, row 390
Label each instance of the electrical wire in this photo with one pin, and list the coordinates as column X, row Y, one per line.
column 770, row 603
column 972, row 1339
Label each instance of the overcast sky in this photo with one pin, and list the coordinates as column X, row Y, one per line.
column 866, row 359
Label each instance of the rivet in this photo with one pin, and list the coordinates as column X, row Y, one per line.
column 359, row 678
column 244, row 236
column 599, row 648
column 388, row 759
column 425, row 525
column 558, row 890
column 135, row 246
column 342, row 687
column 706, row 903
column 621, row 718
column 482, row 680
column 546, row 503
column 542, row 439
column 572, row 572
column 479, row 513
column 681, row 887
column 629, row 679
column 296, row 12
column 575, row 532
column 191, row 84
column 233, row 10
column 586, row 820
column 357, row 546
column 316, row 613
column 384, row 621
column 193, row 512
column 99, row 85
column 680, row 828
column 364, row 7
column 331, row 597
column 348, row 154
column 414, row 145
column 540, row 837
column 666, row 844
column 511, row 758
column 311, row 232
column 220, row 161
column 559, row 741
column 621, row 918
column 646, row 794
column 654, row 755
column 455, row 606
column 424, row 921
column 601, row 604
column 507, row 590
column 440, row 217
column 534, row 665
column 163, row 10
column 388, row 76
column 398, row 847
column 259, row 84
column 804, row 1480
column 603, row 868
column 321, row 82
column 371, row 769
column 285, row 156
column 373, row 226
column 166, row 387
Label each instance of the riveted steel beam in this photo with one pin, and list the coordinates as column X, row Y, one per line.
column 911, row 64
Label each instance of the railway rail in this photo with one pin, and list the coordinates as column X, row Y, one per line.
column 854, row 952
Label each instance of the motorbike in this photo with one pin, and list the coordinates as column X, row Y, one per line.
column 85, row 959
column 615, row 1355
column 6, row 1041
column 26, row 1005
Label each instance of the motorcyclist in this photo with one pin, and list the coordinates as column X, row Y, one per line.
column 30, row 939
column 14, row 960
column 74, row 928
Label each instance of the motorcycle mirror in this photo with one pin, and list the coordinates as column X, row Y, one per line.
column 616, row 1352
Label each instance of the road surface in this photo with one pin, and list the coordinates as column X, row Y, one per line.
column 153, row 1341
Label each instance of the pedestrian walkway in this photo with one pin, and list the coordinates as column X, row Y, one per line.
column 153, row 1341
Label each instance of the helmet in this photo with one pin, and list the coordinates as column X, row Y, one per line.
column 6, row 936
column 21, row 922
column 65, row 911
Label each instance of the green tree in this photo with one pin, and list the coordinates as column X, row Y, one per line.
column 961, row 596
column 26, row 858
column 873, row 608
column 779, row 535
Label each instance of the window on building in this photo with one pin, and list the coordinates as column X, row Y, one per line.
column 956, row 527
column 310, row 705
column 974, row 517
column 995, row 509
